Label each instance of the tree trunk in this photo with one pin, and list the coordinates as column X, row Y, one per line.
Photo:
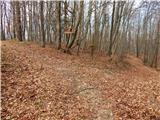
column 59, row 24
column 14, row 19
column 24, row 19
column 76, row 26
column 111, row 32
column 2, row 30
column 42, row 23
column 18, row 21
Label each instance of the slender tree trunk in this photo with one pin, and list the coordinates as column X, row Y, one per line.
column 137, row 38
column 30, row 32
column 18, row 21
column 24, row 19
column 155, row 57
column 65, row 19
column 2, row 29
column 145, row 38
column 14, row 19
column 111, row 32
column 59, row 24
column 42, row 23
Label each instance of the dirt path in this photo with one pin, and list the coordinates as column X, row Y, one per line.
column 42, row 83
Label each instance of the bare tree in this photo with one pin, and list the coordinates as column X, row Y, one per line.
column 76, row 26
column 114, row 27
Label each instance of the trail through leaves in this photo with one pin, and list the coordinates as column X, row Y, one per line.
column 45, row 84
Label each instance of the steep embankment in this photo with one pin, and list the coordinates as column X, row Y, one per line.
column 43, row 83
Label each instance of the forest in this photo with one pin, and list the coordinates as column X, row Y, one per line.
column 80, row 60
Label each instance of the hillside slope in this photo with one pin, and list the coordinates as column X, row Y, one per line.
column 43, row 83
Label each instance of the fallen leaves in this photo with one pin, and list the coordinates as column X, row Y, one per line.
column 37, row 83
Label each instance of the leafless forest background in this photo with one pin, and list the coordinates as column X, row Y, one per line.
column 115, row 28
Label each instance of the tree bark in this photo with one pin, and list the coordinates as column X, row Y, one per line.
column 2, row 29
column 111, row 32
column 42, row 23
column 76, row 26
column 59, row 24
column 18, row 21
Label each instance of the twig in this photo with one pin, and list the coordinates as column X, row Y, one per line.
column 77, row 92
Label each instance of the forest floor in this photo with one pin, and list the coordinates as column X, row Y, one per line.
column 46, row 84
